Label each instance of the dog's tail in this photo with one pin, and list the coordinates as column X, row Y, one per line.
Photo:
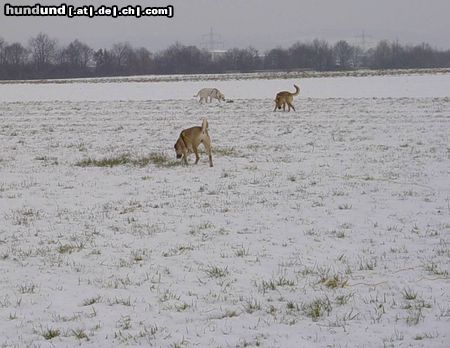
column 297, row 90
column 204, row 125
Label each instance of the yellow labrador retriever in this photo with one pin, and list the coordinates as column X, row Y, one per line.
column 208, row 94
column 190, row 139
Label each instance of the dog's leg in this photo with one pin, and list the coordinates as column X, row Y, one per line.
column 210, row 157
column 284, row 106
column 185, row 158
column 207, row 144
column 291, row 106
column 197, row 157
column 275, row 108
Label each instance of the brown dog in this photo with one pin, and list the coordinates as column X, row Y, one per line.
column 190, row 139
column 286, row 97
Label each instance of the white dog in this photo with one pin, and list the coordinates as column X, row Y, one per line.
column 210, row 93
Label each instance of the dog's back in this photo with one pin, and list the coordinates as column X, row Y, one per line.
column 211, row 93
column 287, row 94
column 196, row 133
column 204, row 92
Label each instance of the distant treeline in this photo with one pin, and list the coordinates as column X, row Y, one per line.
column 44, row 58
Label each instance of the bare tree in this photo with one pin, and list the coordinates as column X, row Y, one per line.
column 45, row 60
column 145, row 64
column 243, row 60
column 302, row 56
column 277, row 58
column 343, row 53
column 104, row 63
column 16, row 54
column 323, row 55
column 2, row 51
column 179, row 59
column 121, row 52
column 358, row 56
column 381, row 56
column 78, row 54
column 43, row 50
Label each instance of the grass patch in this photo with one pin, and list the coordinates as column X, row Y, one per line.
column 216, row 272
column 425, row 335
column 225, row 151
column 178, row 250
column 91, row 301
column 80, row 334
column 119, row 301
column 292, row 306
column 252, row 305
column 409, row 294
column 241, row 251
column 414, row 317
column 434, row 268
column 345, row 206
column 367, row 264
column 268, row 285
column 48, row 333
column 70, row 248
column 27, row 288
column 158, row 159
column 105, row 162
column 24, row 216
column 343, row 299
column 334, row 282
column 317, row 308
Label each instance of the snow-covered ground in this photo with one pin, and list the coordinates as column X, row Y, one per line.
column 415, row 86
column 328, row 226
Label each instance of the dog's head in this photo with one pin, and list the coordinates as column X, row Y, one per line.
column 220, row 96
column 179, row 148
column 279, row 102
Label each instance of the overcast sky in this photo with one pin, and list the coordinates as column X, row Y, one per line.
column 242, row 23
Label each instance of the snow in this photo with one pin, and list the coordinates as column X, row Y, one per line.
column 325, row 226
column 415, row 86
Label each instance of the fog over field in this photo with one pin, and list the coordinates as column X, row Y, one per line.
column 261, row 24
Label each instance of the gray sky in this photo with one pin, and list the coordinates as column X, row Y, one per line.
column 242, row 23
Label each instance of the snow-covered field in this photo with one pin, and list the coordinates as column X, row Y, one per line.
column 328, row 226
column 415, row 86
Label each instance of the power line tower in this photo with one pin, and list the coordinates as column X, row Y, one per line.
column 363, row 40
column 212, row 41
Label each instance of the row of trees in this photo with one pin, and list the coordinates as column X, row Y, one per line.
column 44, row 58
